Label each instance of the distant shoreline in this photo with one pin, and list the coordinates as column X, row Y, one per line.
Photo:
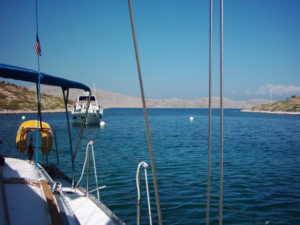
column 31, row 112
column 270, row 112
column 70, row 109
column 63, row 110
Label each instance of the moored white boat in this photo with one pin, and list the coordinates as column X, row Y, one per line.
column 94, row 113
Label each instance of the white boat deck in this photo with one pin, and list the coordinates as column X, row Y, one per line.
column 85, row 209
column 25, row 204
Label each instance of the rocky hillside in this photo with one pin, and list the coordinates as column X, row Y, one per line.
column 289, row 105
column 14, row 98
column 115, row 100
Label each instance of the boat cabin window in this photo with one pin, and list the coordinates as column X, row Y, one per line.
column 86, row 98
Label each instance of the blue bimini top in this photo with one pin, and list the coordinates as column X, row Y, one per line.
column 19, row 73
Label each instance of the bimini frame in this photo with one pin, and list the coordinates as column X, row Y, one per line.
column 23, row 74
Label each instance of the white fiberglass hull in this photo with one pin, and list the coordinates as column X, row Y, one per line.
column 92, row 118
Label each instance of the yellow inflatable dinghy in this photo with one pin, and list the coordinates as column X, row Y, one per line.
column 31, row 125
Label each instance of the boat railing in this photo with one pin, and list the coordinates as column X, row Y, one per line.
column 54, row 149
column 89, row 155
column 40, row 147
column 138, row 203
column 86, row 167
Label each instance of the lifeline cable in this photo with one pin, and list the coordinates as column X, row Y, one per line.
column 145, row 114
column 145, row 165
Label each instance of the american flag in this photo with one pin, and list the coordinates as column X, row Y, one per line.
column 38, row 46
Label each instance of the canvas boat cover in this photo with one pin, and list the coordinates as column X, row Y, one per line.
column 19, row 73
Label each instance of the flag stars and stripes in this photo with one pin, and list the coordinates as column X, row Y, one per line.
column 38, row 46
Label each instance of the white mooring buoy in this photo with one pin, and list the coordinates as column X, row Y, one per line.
column 102, row 123
column 23, row 117
column 191, row 118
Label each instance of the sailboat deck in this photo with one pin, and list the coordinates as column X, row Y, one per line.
column 85, row 209
column 23, row 200
column 23, row 203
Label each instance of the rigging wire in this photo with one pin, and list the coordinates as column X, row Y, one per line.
column 80, row 136
column 145, row 114
column 66, row 97
column 221, row 118
column 209, row 116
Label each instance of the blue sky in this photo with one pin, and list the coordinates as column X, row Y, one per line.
column 91, row 42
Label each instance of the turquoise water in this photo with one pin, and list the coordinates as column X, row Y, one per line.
column 261, row 163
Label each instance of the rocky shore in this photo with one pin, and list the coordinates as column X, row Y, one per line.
column 270, row 112
column 290, row 106
column 30, row 112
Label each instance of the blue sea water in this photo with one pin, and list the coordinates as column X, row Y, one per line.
column 261, row 162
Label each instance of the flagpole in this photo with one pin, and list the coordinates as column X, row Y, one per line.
column 39, row 116
column 37, row 30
